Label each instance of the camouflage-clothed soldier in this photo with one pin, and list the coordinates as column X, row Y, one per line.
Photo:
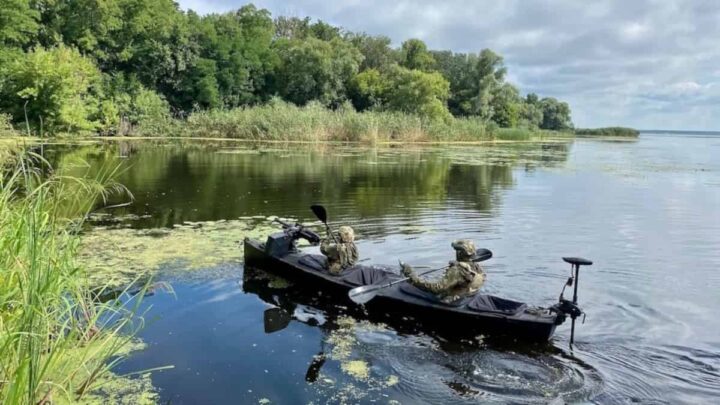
column 343, row 254
column 463, row 277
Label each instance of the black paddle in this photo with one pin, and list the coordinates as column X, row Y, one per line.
column 321, row 213
column 363, row 294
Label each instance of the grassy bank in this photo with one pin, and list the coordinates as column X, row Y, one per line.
column 58, row 343
column 608, row 131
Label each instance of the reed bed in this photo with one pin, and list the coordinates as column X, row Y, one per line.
column 608, row 131
column 58, row 342
column 280, row 121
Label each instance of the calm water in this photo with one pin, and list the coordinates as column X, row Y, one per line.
column 646, row 211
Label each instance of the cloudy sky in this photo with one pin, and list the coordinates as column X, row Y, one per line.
column 641, row 63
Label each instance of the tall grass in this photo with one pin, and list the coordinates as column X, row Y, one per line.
column 608, row 131
column 57, row 342
column 281, row 121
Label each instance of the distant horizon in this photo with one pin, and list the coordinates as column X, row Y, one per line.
column 680, row 131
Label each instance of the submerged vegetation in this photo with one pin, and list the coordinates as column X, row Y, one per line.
column 124, row 67
column 58, row 343
column 608, row 131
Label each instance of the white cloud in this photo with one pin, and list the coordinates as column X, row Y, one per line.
column 642, row 63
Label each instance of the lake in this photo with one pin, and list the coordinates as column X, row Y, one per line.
column 646, row 211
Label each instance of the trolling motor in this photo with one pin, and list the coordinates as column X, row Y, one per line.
column 566, row 307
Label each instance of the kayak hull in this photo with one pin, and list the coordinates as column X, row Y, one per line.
column 393, row 304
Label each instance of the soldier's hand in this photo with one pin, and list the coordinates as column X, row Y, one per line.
column 406, row 270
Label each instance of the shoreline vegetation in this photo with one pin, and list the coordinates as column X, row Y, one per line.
column 608, row 132
column 58, row 341
column 90, row 69
column 279, row 121
column 282, row 121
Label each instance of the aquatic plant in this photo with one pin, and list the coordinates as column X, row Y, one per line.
column 117, row 257
column 58, row 343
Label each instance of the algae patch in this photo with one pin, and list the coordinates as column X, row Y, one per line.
column 116, row 257
column 364, row 383
column 356, row 368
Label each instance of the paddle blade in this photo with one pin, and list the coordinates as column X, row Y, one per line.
column 275, row 319
column 481, row 255
column 363, row 294
column 319, row 212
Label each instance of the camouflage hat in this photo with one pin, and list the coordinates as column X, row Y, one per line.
column 464, row 245
column 346, row 233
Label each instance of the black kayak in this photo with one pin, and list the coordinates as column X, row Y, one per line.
column 476, row 315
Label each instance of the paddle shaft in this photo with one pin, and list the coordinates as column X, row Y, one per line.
column 392, row 283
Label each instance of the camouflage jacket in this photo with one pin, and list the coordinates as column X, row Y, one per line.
column 460, row 279
column 340, row 255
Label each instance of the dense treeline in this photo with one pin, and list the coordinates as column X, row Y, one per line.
column 111, row 65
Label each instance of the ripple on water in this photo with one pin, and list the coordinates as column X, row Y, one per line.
column 429, row 372
column 687, row 373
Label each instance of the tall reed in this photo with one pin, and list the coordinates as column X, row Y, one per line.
column 57, row 341
column 281, row 121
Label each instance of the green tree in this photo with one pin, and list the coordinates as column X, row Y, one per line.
column 459, row 70
column 18, row 23
column 235, row 57
column 474, row 80
column 292, row 27
column 368, row 89
column 376, row 51
column 312, row 69
column 324, row 31
column 531, row 113
column 199, row 86
column 556, row 114
column 489, row 76
column 57, row 88
column 150, row 39
column 416, row 56
column 417, row 92
column 506, row 105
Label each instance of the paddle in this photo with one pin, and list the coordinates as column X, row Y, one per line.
column 363, row 294
column 321, row 213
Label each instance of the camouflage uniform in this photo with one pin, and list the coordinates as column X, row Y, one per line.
column 463, row 277
column 340, row 255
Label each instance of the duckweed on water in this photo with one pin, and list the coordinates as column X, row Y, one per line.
column 118, row 256
column 356, row 368
column 344, row 345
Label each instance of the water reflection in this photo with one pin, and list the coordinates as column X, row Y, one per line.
column 177, row 183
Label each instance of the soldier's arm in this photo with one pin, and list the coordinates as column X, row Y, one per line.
column 328, row 248
column 445, row 284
